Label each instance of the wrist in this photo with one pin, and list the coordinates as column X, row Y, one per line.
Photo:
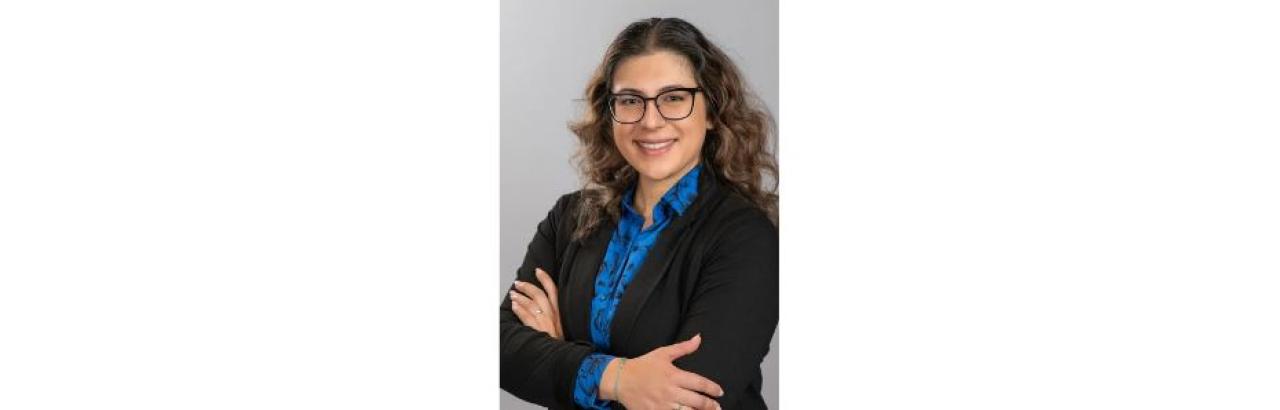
column 609, row 380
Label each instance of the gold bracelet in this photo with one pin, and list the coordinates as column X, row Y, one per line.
column 621, row 361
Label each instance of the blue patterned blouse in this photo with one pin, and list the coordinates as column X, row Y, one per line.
column 627, row 249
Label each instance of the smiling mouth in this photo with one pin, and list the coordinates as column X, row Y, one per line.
column 655, row 147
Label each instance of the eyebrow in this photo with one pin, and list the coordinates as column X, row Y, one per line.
column 660, row 91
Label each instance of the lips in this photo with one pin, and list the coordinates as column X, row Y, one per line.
column 655, row 146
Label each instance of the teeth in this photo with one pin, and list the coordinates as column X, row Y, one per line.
column 655, row 146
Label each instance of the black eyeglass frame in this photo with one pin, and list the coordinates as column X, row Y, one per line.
column 644, row 109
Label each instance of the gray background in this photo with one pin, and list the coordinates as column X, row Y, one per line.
column 549, row 49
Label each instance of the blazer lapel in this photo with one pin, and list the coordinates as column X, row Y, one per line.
column 655, row 265
column 583, row 263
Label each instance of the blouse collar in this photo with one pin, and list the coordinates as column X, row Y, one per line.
column 676, row 200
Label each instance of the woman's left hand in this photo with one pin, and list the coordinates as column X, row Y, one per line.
column 535, row 308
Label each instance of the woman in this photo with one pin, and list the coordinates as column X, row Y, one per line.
column 655, row 286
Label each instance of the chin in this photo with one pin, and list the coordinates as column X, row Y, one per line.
column 659, row 172
column 655, row 175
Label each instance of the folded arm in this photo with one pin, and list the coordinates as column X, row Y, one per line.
column 535, row 366
column 735, row 307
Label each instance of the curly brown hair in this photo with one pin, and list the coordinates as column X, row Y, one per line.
column 736, row 147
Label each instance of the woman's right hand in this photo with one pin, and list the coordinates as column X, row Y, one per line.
column 652, row 382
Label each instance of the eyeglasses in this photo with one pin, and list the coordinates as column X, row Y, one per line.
column 674, row 104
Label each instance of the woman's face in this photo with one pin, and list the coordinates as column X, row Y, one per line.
column 660, row 150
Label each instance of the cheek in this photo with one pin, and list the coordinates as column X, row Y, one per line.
column 620, row 142
column 697, row 147
column 695, row 131
column 619, row 135
column 622, row 131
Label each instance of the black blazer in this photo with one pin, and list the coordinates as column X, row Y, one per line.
column 713, row 270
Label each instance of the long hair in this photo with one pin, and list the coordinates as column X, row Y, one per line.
column 736, row 148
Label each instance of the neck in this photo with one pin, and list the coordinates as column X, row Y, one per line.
column 650, row 191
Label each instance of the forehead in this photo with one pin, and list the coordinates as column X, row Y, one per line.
column 649, row 73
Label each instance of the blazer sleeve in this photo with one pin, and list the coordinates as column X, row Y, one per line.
column 734, row 306
column 534, row 366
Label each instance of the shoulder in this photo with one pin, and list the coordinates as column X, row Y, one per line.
column 738, row 241
column 562, row 219
column 736, row 222
column 737, row 211
column 567, row 205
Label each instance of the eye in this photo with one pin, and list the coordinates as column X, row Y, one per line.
column 673, row 97
column 626, row 100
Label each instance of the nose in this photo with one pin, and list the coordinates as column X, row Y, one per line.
column 652, row 118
